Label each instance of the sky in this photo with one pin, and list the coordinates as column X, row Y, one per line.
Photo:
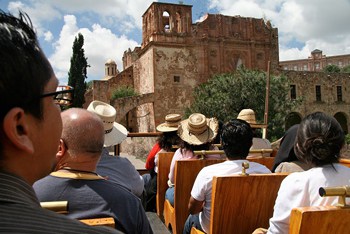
column 111, row 27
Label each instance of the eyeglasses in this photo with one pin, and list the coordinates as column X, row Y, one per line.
column 63, row 95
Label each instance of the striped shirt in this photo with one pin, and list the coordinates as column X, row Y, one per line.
column 20, row 212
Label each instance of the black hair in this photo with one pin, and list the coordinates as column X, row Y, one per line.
column 319, row 139
column 236, row 138
column 167, row 139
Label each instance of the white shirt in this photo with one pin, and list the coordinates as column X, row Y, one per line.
column 300, row 189
column 202, row 187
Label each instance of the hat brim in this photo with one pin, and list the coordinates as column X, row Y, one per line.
column 164, row 128
column 118, row 134
column 199, row 139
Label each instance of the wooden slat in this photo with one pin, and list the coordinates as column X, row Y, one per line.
column 320, row 220
column 107, row 221
column 164, row 161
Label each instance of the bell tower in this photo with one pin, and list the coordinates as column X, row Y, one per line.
column 165, row 22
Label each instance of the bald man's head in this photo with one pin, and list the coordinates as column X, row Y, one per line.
column 82, row 132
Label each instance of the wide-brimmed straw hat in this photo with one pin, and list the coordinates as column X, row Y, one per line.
column 248, row 115
column 198, row 130
column 115, row 133
column 172, row 122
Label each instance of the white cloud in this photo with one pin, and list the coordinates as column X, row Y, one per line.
column 100, row 44
column 48, row 36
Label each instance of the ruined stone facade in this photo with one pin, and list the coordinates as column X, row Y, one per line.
column 177, row 55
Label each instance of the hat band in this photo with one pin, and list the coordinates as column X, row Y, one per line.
column 108, row 131
column 172, row 124
column 197, row 131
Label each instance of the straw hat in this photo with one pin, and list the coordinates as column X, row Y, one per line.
column 248, row 115
column 115, row 133
column 197, row 129
column 172, row 122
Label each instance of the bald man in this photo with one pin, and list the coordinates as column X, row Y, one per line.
column 75, row 179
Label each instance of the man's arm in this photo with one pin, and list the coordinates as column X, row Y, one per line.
column 194, row 206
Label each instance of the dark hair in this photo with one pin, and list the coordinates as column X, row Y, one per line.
column 319, row 140
column 24, row 69
column 236, row 138
column 186, row 146
column 167, row 139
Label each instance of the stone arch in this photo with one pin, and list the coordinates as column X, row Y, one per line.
column 342, row 120
column 292, row 119
column 166, row 21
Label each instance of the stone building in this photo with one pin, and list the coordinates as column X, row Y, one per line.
column 316, row 62
column 320, row 91
column 176, row 55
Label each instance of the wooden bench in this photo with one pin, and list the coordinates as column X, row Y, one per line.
column 345, row 162
column 106, row 221
column 186, row 172
column 164, row 161
column 240, row 204
column 320, row 220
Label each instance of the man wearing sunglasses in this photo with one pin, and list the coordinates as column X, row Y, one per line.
column 30, row 130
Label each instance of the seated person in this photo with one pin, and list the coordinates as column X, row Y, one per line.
column 319, row 141
column 197, row 132
column 258, row 143
column 76, row 181
column 236, row 138
column 115, row 168
column 286, row 160
column 164, row 143
column 30, row 130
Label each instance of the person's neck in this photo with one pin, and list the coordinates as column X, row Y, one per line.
column 78, row 170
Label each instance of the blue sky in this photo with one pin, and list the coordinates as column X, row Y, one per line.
column 112, row 26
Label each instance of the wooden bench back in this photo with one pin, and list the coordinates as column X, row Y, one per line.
column 164, row 161
column 345, row 162
column 240, row 204
column 320, row 220
column 186, row 172
column 266, row 161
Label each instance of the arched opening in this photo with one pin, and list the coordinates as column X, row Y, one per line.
column 292, row 119
column 341, row 118
column 166, row 21
column 178, row 22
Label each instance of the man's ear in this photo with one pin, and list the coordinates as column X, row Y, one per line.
column 17, row 127
column 61, row 150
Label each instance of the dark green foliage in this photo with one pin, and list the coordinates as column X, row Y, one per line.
column 225, row 95
column 123, row 91
column 331, row 68
column 346, row 69
column 78, row 71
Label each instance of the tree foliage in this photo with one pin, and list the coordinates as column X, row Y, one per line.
column 78, row 71
column 331, row 68
column 346, row 69
column 225, row 95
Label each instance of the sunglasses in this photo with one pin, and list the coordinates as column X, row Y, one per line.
column 63, row 95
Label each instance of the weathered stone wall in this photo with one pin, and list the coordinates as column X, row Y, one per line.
column 305, row 87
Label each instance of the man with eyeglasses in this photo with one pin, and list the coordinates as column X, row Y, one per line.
column 30, row 130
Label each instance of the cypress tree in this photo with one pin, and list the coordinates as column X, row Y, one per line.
column 78, row 71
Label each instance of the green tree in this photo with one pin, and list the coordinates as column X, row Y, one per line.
column 78, row 71
column 331, row 68
column 346, row 69
column 225, row 95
